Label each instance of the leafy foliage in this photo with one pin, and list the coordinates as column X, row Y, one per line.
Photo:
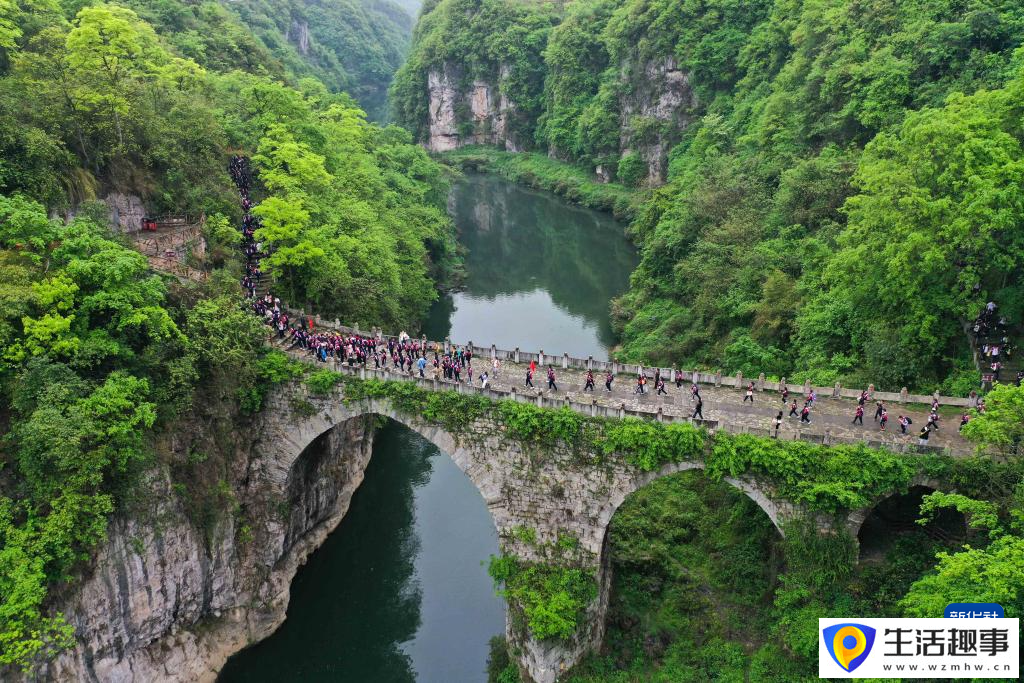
column 83, row 367
column 829, row 479
column 552, row 598
column 992, row 574
column 1001, row 426
column 121, row 106
column 842, row 180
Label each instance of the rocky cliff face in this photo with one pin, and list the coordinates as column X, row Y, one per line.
column 470, row 113
column 298, row 34
column 656, row 105
column 167, row 601
column 126, row 211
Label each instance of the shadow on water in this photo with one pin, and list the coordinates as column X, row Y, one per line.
column 540, row 272
column 397, row 593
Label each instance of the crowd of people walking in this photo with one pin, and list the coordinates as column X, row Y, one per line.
column 452, row 363
column 991, row 338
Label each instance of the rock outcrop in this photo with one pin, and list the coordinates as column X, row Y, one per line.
column 298, row 34
column 126, row 211
column 656, row 105
column 166, row 600
column 468, row 114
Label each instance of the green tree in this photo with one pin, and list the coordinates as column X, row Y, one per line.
column 1001, row 426
column 992, row 574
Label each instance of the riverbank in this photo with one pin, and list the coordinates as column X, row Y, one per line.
column 543, row 173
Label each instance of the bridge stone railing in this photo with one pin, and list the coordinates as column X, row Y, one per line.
column 646, row 411
column 718, row 379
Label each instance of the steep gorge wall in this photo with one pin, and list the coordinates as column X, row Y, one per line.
column 553, row 84
column 656, row 105
column 655, row 102
column 165, row 600
column 467, row 112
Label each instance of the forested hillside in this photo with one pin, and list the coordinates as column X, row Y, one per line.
column 99, row 355
column 98, row 101
column 353, row 46
column 837, row 185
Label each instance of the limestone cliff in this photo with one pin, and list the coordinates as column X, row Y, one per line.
column 656, row 106
column 168, row 600
column 465, row 112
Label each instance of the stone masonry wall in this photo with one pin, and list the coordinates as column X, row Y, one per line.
column 551, row 491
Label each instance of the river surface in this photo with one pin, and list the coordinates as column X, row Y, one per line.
column 540, row 273
column 400, row 592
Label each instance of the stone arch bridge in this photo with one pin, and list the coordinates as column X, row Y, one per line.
column 551, row 494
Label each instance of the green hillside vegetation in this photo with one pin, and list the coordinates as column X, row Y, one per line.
column 354, row 46
column 99, row 356
column 101, row 103
column 843, row 200
column 96, row 359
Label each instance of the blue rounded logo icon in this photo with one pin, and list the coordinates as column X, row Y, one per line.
column 849, row 644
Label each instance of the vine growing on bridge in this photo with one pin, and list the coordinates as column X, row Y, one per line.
column 550, row 597
column 826, row 479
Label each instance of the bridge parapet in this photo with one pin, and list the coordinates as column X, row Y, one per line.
column 697, row 376
column 646, row 407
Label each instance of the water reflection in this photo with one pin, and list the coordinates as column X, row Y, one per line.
column 540, row 272
column 397, row 593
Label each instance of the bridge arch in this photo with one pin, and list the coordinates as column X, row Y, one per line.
column 778, row 511
column 855, row 518
column 894, row 515
column 289, row 440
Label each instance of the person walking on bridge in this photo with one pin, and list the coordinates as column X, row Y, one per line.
column 608, row 379
column 805, row 414
column 421, row 364
column 529, row 376
column 904, row 422
column 858, row 416
column 589, row 386
column 699, row 410
column 551, row 379
column 792, row 409
column 750, row 393
column 879, row 409
column 777, row 423
column 883, row 419
column 660, row 386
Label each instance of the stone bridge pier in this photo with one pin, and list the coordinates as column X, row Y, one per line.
column 534, row 495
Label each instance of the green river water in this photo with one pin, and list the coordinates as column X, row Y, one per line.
column 399, row 592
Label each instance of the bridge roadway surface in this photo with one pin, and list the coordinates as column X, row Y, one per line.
column 723, row 404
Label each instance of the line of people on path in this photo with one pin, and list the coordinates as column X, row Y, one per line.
column 408, row 355
column 992, row 338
